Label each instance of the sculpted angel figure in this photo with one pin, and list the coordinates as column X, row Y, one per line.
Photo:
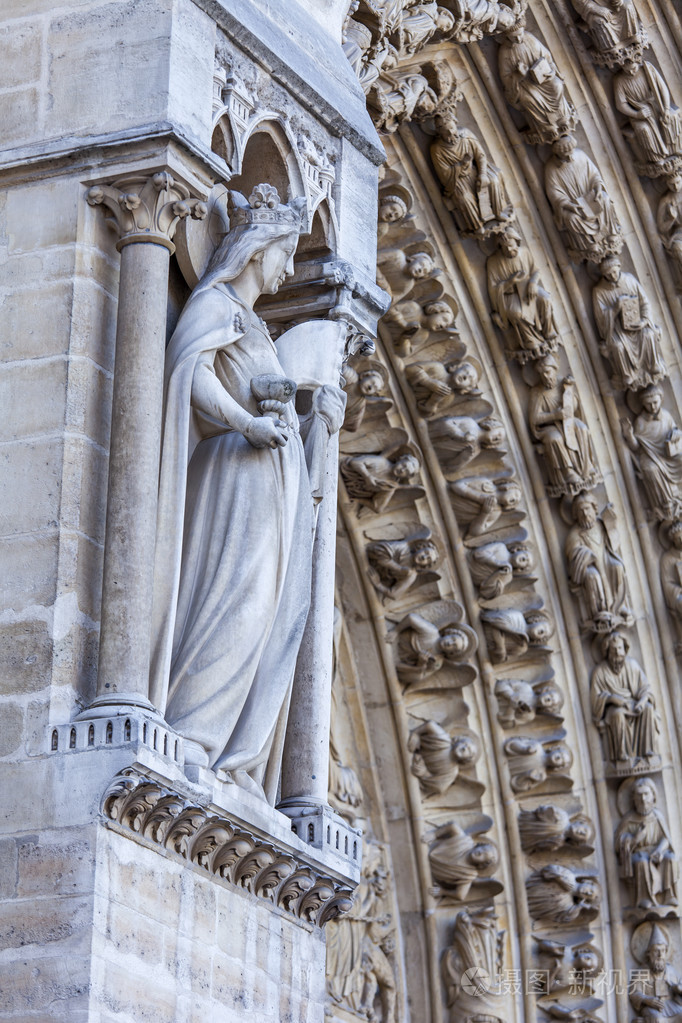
column 482, row 502
column 435, row 383
column 556, row 895
column 425, row 646
column 532, row 83
column 596, row 569
column 655, row 440
column 582, row 207
column 656, row 991
column 519, row 702
column 623, row 706
column 494, row 566
column 459, row 439
column 398, row 271
column 457, row 859
column 511, row 631
column 569, row 965
column 531, row 762
column 235, row 521
column 437, row 757
column 548, row 828
column 395, row 565
column 655, row 123
column 642, row 842
column 630, row 339
column 417, row 322
column 421, row 19
column 519, row 303
column 671, row 577
column 554, row 415
column 399, row 96
column 373, row 479
column 473, row 188
column 669, row 218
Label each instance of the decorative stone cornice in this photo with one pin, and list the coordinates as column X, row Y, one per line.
column 146, row 209
column 225, row 849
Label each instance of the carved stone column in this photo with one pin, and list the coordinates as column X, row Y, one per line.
column 145, row 212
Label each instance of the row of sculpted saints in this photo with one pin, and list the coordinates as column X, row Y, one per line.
column 236, row 508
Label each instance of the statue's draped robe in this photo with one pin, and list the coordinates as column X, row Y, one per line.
column 568, row 456
column 577, row 182
column 531, row 318
column 654, row 137
column 232, row 584
column 626, row 736
column 663, row 986
column 449, row 861
column 661, row 471
column 459, row 162
column 596, row 570
column 544, row 102
column 645, row 832
column 633, row 351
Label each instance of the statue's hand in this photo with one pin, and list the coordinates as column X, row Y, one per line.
column 263, row 432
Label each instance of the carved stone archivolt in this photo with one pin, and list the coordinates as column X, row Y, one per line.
column 223, row 848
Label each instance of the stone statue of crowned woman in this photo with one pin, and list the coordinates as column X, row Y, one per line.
column 236, row 506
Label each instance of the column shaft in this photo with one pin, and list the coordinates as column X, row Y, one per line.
column 133, row 473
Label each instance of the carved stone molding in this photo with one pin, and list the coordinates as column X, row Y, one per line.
column 225, row 849
column 146, row 209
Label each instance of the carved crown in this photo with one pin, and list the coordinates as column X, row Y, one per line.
column 263, row 206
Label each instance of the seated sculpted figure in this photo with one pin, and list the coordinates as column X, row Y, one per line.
column 596, row 569
column 630, row 339
column 235, row 530
column 473, row 188
column 655, row 991
column 520, row 305
column 655, row 440
column 548, row 828
column 532, row 83
column 531, row 762
column 614, row 27
column 458, row 859
column 555, row 419
column 655, row 123
column 671, row 578
column 623, row 707
column 557, row 895
column 582, row 207
column 669, row 219
column 642, row 842
column 480, row 503
column 437, row 757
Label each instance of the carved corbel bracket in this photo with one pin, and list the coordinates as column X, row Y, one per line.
column 228, row 850
column 146, row 208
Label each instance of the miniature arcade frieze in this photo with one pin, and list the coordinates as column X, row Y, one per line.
column 228, row 850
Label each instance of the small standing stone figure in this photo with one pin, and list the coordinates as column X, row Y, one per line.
column 623, row 708
column 473, row 188
column 596, row 569
column 458, row 859
column 655, row 123
column 671, row 578
column 647, row 859
column 532, row 83
column 655, row 440
column 630, row 339
column 554, row 416
column 520, row 305
column 548, row 828
column 556, row 895
column 437, row 757
column 656, row 990
column 531, row 762
column 669, row 220
column 582, row 207
column 396, row 565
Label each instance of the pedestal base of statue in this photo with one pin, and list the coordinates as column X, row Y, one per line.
column 322, row 828
column 134, row 892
